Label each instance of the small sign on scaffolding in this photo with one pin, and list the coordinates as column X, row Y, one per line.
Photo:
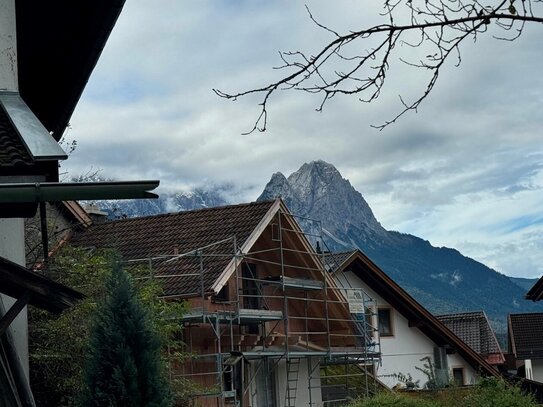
column 355, row 298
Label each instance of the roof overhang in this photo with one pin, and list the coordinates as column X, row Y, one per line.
column 21, row 199
column 536, row 292
column 17, row 282
column 58, row 45
column 391, row 292
column 38, row 142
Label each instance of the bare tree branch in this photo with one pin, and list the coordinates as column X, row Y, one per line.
column 443, row 25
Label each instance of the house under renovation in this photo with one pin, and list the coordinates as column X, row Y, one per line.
column 267, row 325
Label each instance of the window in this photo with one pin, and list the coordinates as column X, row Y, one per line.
column 222, row 295
column 251, row 294
column 385, row 321
column 458, row 376
column 265, row 384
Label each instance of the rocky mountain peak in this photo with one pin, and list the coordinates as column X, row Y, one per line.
column 318, row 190
column 277, row 187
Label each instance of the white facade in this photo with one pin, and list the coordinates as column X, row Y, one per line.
column 8, row 47
column 537, row 369
column 402, row 352
column 12, row 245
column 267, row 394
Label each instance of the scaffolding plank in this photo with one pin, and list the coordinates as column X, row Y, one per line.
column 296, row 283
column 259, row 315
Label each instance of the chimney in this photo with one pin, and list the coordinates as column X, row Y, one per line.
column 8, row 47
column 95, row 213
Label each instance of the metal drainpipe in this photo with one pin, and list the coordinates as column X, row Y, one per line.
column 285, row 300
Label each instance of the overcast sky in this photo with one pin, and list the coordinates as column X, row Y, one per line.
column 466, row 171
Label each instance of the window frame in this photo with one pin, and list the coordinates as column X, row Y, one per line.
column 462, row 371
column 390, row 310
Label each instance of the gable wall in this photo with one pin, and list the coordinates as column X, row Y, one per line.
column 202, row 339
column 402, row 352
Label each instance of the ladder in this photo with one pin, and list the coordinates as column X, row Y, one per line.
column 293, row 369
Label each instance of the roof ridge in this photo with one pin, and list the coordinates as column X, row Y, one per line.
column 340, row 252
column 457, row 314
column 169, row 214
column 526, row 313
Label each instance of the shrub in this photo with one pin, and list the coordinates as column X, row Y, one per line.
column 394, row 400
column 497, row 393
column 489, row 392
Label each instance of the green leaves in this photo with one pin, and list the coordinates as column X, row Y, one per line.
column 124, row 366
column 57, row 344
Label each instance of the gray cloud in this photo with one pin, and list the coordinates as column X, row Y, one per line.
column 469, row 159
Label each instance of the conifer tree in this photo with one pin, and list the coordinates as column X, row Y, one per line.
column 123, row 366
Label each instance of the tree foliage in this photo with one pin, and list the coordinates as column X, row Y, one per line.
column 123, row 364
column 489, row 392
column 423, row 34
column 57, row 344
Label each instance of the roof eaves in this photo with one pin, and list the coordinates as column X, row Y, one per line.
column 77, row 211
column 476, row 360
column 251, row 240
column 346, row 261
column 536, row 292
column 45, row 293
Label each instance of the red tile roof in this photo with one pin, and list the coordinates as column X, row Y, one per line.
column 183, row 232
column 474, row 329
column 526, row 335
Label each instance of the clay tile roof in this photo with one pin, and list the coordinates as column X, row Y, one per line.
column 526, row 335
column 334, row 260
column 12, row 150
column 474, row 329
column 183, row 232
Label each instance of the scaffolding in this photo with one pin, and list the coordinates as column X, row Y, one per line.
column 281, row 331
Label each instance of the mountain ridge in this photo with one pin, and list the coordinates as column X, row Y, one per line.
column 441, row 278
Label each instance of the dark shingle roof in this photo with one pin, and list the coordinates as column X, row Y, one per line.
column 182, row 232
column 526, row 335
column 474, row 329
column 12, row 150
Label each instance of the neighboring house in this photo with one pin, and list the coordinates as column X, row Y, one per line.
column 410, row 336
column 267, row 323
column 47, row 53
column 63, row 218
column 526, row 344
column 536, row 292
column 475, row 330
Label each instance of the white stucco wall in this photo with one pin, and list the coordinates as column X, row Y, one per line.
column 8, row 46
column 537, row 369
column 12, row 247
column 403, row 351
column 302, row 393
